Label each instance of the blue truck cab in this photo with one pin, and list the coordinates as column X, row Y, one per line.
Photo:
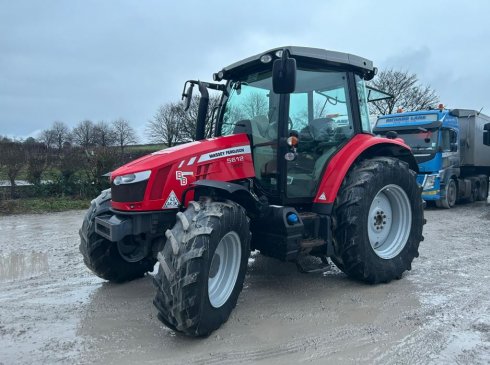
column 452, row 149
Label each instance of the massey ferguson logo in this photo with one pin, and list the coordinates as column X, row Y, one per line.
column 181, row 176
column 239, row 150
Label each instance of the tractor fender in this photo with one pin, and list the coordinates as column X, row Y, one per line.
column 360, row 147
column 226, row 190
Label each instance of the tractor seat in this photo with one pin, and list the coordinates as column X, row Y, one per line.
column 342, row 133
column 321, row 129
column 269, row 169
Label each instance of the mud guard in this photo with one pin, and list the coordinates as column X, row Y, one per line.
column 225, row 190
column 360, row 147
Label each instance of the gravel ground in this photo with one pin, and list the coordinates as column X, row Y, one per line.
column 53, row 310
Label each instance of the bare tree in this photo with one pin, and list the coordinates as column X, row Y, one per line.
column 124, row 134
column 408, row 93
column 84, row 134
column 61, row 134
column 47, row 137
column 30, row 141
column 99, row 161
column 104, row 134
column 255, row 105
column 165, row 127
column 70, row 162
column 37, row 157
column 13, row 158
column 188, row 119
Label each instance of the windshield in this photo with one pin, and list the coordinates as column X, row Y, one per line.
column 252, row 100
column 420, row 139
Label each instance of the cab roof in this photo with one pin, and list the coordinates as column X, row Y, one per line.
column 329, row 58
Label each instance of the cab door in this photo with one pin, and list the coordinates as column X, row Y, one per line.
column 320, row 116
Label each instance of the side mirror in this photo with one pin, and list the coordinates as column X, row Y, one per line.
column 284, row 74
column 486, row 134
column 453, row 147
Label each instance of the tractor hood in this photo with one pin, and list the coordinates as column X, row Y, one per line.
column 157, row 181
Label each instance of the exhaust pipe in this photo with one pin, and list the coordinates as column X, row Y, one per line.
column 202, row 112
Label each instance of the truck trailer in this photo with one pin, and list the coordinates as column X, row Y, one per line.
column 452, row 149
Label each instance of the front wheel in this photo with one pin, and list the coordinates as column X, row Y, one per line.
column 378, row 220
column 202, row 267
column 450, row 195
column 102, row 256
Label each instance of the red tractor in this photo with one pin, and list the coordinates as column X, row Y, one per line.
column 293, row 171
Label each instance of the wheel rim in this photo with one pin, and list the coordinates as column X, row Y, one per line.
column 130, row 250
column 224, row 269
column 451, row 193
column 389, row 221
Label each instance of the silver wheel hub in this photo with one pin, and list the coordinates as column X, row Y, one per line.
column 224, row 268
column 389, row 221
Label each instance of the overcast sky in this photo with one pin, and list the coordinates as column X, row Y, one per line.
column 103, row 60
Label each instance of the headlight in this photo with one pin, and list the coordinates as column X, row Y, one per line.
column 430, row 182
column 266, row 58
column 132, row 178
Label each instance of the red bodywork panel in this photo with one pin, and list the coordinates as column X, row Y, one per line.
column 341, row 162
column 175, row 169
column 226, row 159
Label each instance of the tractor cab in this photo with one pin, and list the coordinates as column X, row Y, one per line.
column 298, row 106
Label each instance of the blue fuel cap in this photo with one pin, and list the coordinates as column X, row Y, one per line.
column 292, row 218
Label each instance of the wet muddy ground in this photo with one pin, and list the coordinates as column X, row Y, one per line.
column 53, row 310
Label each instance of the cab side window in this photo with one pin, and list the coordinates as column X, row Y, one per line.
column 453, row 140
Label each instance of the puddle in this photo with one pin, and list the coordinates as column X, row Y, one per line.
column 23, row 265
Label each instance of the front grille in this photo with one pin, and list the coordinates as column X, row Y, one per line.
column 129, row 192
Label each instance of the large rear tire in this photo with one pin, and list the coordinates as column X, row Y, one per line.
column 378, row 220
column 102, row 256
column 202, row 267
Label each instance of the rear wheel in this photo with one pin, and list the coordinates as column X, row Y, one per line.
column 473, row 195
column 202, row 267
column 102, row 256
column 378, row 221
column 483, row 188
column 450, row 195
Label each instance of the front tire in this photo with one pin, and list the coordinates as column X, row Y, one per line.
column 202, row 267
column 102, row 256
column 450, row 196
column 378, row 220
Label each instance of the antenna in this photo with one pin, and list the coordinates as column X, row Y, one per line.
column 479, row 111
